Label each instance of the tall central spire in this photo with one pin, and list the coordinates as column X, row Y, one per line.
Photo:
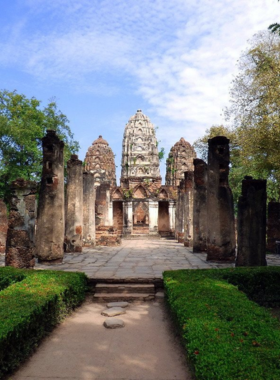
column 139, row 151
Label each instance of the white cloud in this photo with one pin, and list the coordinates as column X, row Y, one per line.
column 181, row 54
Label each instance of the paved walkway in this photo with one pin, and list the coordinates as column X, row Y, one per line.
column 136, row 259
column 81, row 348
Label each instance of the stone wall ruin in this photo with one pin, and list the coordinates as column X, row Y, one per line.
column 50, row 222
column 3, row 226
column 74, row 206
column 251, row 223
column 21, row 225
column 220, row 232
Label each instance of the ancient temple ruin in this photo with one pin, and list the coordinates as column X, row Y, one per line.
column 141, row 204
column 100, row 161
column 179, row 161
column 51, row 207
column 98, row 212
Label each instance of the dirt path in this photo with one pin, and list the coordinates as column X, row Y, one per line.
column 82, row 348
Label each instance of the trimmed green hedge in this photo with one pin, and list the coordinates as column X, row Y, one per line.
column 9, row 276
column 226, row 335
column 31, row 306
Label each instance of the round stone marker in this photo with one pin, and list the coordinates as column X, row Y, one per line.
column 117, row 304
column 113, row 323
column 113, row 311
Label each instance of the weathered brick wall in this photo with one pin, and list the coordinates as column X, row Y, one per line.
column 220, row 213
column 251, row 223
column 74, row 206
column 88, row 209
column 200, row 206
column 3, row 226
column 51, row 207
column 188, row 208
column 21, row 225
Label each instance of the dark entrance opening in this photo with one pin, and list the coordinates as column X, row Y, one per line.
column 163, row 218
column 118, row 216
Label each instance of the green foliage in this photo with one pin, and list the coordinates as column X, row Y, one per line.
column 161, row 154
column 31, row 306
column 22, row 125
column 254, row 111
column 254, row 117
column 262, row 285
column 274, row 28
column 226, row 335
column 128, row 193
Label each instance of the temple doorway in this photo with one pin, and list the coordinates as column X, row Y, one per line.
column 118, row 216
column 140, row 217
column 163, row 218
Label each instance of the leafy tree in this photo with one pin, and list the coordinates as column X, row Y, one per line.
column 22, row 125
column 254, row 117
column 255, row 109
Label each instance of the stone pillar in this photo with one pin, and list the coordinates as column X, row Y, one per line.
column 88, row 209
column 251, row 223
column 102, row 202
column 200, row 206
column 74, row 206
column 21, row 229
column 127, row 218
column 220, row 212
column 3, row 226
column 50, row 223
column 188, row 209
column 153, row 217
column 273, row 226
column 110, row 213
column 171, row 210
column 180, row 214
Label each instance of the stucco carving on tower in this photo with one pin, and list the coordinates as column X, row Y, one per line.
column 180, row 160
column 100, row 161
column 140, row 161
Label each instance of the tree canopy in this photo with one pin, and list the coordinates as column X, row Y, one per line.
column 23, row 122
column 254, row 116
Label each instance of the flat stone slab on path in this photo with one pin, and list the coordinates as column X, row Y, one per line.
column 81, row 348
column 117, row 304
column 113, row 323
column 113, row 311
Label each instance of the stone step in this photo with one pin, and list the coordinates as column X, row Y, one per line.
column 141, row 237
column 166, row 234
column 140, row 230
column 105, row 292
column 113, row 297
column 125, row 288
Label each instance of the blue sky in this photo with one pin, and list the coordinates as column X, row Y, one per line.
column 104, row 59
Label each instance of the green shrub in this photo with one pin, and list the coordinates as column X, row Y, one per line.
column 29, row 309
column 262, row 284
column 9, row 276
column 226, row 335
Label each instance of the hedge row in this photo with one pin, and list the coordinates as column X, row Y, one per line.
column 31, row 306
column 9, row 276
column 226, row 335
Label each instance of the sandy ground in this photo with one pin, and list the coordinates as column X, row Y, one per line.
column 82, row 348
